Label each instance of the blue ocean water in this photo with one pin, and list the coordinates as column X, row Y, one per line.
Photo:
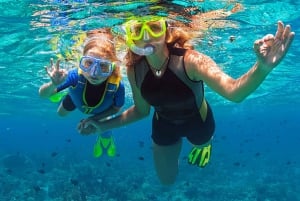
column 42, row 157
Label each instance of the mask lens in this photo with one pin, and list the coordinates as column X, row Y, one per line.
column 106, row 67
column 135, row 29
column 96, row 67
column 156, row 28
column 86, row 63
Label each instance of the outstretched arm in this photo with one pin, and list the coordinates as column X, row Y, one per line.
column 85, row 129
column 139, row 110
column 270, row 51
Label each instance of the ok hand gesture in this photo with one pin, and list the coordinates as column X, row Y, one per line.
column 270, row 50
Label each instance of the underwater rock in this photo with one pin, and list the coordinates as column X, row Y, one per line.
column 16, row 163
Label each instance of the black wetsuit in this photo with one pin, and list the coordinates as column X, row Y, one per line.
column 177, row 101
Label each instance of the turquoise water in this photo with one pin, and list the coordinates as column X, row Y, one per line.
column 42, row 157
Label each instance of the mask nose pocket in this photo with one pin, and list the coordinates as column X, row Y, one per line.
column 146, row 35
column 94, row 70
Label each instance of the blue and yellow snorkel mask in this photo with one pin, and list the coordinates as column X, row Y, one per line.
column 140, row 28
column 96, row 66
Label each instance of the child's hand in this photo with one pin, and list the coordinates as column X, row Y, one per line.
column 56, row 75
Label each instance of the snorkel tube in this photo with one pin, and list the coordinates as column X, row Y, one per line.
column 147, row 50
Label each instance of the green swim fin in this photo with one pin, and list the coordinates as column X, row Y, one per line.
column 98, row 148
column 112, row 149
column 200, row 156
column 105, row 141
column 55, row 98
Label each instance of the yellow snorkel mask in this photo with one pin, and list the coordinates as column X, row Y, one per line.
column 140, row 28
column 155, row 26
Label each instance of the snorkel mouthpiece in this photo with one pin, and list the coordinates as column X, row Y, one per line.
column 145, row 51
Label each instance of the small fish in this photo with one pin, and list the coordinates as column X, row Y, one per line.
column 36, row 188
column 141, row 144
column 74, row 182
column 41, row 171
column 141, row 158
column 53, row 154
column 8, row 171
column 232, row 38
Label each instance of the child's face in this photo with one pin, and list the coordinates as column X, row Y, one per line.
column 96, row 66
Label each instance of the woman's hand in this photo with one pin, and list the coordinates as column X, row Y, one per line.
column 56, row 74
column 87, row 127
column 271, row 50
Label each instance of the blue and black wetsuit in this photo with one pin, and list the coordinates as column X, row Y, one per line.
column 176, row 100
column 92, row 99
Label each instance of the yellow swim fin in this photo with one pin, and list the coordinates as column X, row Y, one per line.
column 200, row 156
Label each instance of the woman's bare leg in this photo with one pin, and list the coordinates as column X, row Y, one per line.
column 166, row 161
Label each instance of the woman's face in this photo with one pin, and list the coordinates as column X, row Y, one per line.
column 147, row 32
column 156, row 42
